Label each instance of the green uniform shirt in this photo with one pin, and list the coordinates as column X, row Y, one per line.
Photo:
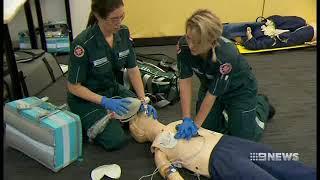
column 94, row 64
column 222, row 77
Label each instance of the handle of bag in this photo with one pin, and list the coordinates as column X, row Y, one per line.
column 34, row 55
column 45, row 61
column 147, row 56
column 58, row 109
column 29, row 106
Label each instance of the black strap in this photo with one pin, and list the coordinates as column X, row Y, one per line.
column 34, row 55
column 49, row 69
column 6, row 85
column 23, row 84
column 164, row 61
column 151, row 57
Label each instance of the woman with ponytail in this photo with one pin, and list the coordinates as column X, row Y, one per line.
column 97, row 59
column 91, row 20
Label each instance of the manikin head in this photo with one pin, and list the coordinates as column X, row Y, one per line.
column 144, row 128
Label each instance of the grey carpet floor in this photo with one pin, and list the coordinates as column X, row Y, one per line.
column 288, row 78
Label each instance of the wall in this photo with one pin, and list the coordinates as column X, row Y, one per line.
column 154, row 18
column 161, row 18
column 306, row 9
column 79, row 15
column 167, row 18
column 53, row 10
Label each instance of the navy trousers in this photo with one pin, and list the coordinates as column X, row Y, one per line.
column 231, row 159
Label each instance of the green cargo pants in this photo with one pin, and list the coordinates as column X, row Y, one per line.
column 113, row 137
column 242, row 114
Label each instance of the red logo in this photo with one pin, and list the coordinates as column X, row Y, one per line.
column 225, row 68
column 78, row 51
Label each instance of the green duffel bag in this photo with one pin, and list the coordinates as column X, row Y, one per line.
column 160, row 78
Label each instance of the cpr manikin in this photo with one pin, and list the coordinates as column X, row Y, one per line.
column 193, row 154
column 211, row 154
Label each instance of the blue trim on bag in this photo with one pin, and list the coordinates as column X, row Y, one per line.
column 72, row 135
column 71, row 122
column 58, row 143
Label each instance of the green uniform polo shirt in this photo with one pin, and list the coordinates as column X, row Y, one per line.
column 223, row 77
column 94, row 64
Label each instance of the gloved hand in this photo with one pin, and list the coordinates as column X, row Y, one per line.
column 119, row 106
column 149, row 110
column 186, row 129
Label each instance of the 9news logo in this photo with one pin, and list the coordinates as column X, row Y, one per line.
column 274, row 156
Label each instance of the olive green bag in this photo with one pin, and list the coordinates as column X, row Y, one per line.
column 160, row 79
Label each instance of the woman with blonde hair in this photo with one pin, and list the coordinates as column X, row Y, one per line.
column 227, row 98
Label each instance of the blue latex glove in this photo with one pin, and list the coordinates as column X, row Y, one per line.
column 119, row 106
column 149, row 110
column 186, row 129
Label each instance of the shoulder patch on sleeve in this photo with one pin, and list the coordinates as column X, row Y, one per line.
column 78, row 51
column 225, row 68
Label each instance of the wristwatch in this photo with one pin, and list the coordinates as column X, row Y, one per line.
column 144, row 103
column 170, row 170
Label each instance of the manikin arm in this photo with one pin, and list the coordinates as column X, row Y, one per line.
column 164, row 164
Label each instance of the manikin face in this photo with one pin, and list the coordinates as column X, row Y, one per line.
column 144, row 128
column 113, row 21
column 193, row 40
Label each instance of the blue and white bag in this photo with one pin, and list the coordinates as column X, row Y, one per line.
column 43, row 131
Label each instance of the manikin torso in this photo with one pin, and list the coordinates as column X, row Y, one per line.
column 193, row 154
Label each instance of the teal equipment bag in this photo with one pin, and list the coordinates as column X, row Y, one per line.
column 47, row 133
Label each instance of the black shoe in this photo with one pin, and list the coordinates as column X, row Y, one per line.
column 272, row 110
column 264, row 96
